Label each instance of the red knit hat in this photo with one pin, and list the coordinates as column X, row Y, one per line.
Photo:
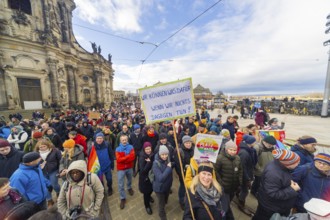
column 37, row 135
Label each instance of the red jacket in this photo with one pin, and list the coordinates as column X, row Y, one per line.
column 81, row 140
column 125, row 156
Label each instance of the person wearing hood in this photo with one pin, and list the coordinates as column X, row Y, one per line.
column 106, row 158
column 18, row 137
column 264, row 152
column 125, row 157
column 186, row 152
column 10, row 158
column 29, row 180
column 230, row 126
column 146, row 159
column 314, row 179
column 87, row 130
column 162, row 183
column 305, row 148
column 59, row 127
column 216, row 125
column 135, row 139
column 278, row 191
column 51, row 134
column 82, row 193
column 249, row 159
column 72, row 152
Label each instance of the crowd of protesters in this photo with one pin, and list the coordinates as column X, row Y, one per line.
column 47, row 161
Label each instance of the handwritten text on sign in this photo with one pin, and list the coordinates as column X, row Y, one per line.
column 168, row 101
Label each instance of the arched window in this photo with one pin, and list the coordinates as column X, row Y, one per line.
column 87, row 95
column 21, row 5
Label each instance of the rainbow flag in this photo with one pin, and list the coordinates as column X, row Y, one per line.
column 279, row 135
column 93, row 164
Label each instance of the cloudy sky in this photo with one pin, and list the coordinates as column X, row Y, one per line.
column 238, row 47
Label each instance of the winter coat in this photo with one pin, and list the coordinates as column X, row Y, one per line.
column 136, row 141
column 56, row 140
column 152, row 140
column 145, row 186
column 186, row 155
column 118, row 137
column 5, row 132
column 248, row 157
column 192, row 129
column 52, row 161
column 215, row 126
column 87, row 131
column 125, row 157
column 163, row 176
column 191, row 172
column 77, row 155
column 305, row 156
column 105, row 156
column 170, row 151
column 92, row 197
column 30, row 182
column 260, row 119
column 275, row 192
column 10, row 162
column 199, row 210
column 8, row 204
column 18, row 139
column 231, row 128
column 30, row 145
column 229, row 171
column 313, row 184
column 60, row 129
column 264, row 157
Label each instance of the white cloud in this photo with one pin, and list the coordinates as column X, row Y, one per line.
column 255, row 46
column 119, row 15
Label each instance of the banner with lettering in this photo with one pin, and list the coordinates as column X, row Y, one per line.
column 207, row 147
column 279, row 135
column 168, row 101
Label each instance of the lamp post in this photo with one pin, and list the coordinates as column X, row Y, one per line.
column 325, row 104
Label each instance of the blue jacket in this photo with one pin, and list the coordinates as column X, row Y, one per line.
column 305, row 156
column 313, row 184
column 5, row 132
column 231, row 128
column 30, row 182
column 275, row 192
column 163, row 176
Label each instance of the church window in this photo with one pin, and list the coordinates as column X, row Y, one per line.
column 21, row 5
column 87, row 95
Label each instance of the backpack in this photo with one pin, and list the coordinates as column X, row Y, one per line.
column 151, row 174
column 89, row 182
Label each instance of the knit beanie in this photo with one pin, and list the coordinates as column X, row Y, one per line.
column 286, row 157
column 249, row 139
column 37, row 135
column 230, row 144
column 29, row 157
column 136, row 126
column 186, row 138
column 69, row 143
column 162, row 136
column 225, row 133
column 270, row 140
column 100, row 134
column 4, row 143
column 146, row 144
column 325, row 158
column 163, row 150
column 310, row 140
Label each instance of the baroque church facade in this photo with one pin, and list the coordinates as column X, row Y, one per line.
column 41, row 61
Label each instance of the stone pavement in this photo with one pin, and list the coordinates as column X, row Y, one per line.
column 295, row 127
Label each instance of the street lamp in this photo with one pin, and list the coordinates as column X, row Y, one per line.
column 324, row 112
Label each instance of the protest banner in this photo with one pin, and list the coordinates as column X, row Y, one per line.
column 168, row 101
column 207, row 147
column 94, row 115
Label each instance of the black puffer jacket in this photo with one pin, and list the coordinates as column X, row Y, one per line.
column 10, row 162
column 186, row 155
column 52, row 161
column 275, row 192
column 229, row 172
column 145, row 186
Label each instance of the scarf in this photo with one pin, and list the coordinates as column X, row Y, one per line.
column 44, row 154
column 151, row 134
column 211, row 196
column 13, row 195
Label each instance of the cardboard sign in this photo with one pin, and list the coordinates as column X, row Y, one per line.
column 94, row 115
column 168, row 101
column 207, row 147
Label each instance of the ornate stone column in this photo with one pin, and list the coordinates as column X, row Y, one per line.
column 97, row 77
column 71, row 85
column 10, row 90
column 53, row 78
